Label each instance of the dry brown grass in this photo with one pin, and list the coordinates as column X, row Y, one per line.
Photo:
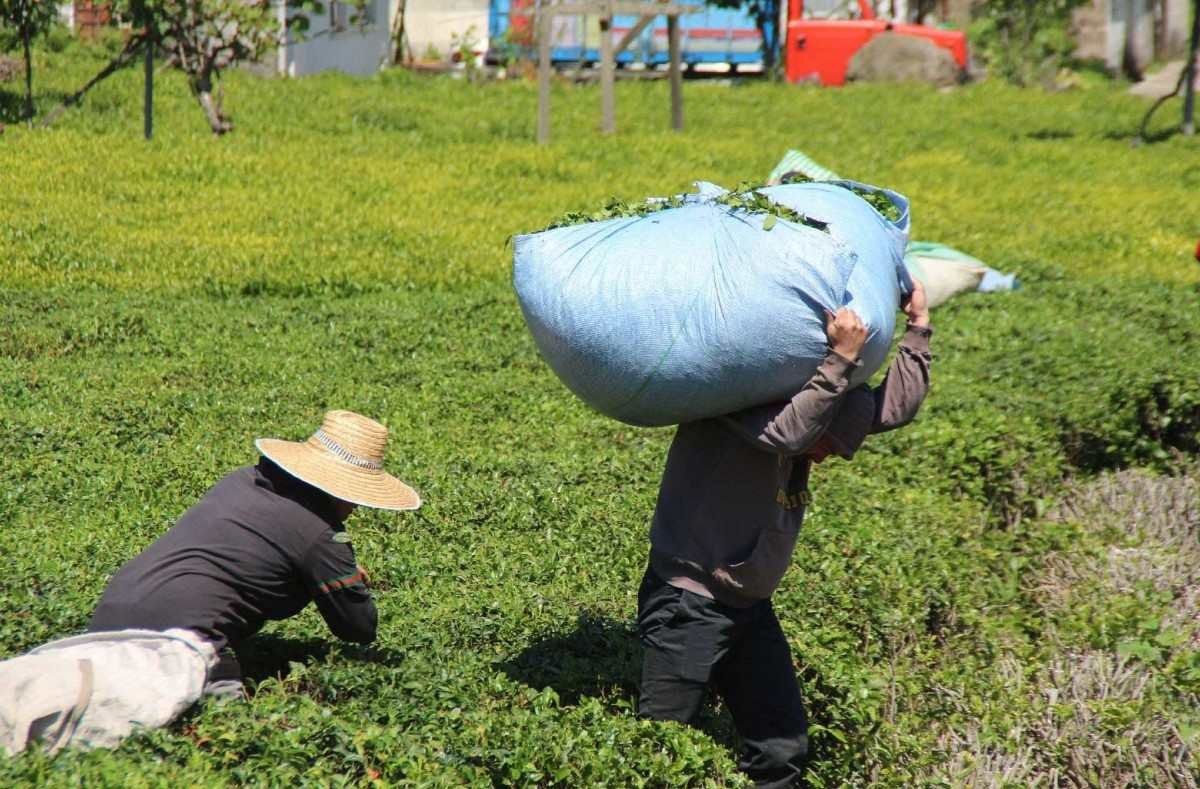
column 1071, row 740
column 1088, row 718
column 10, row 68
column 1160, row 517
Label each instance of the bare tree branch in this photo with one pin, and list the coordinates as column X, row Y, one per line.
column 120, row 61
column 1141, row 135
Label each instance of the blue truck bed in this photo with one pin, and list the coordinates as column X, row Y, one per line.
column 708, row 36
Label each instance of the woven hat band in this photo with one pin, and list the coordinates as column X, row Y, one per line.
column 344, row 458
column 344, row 454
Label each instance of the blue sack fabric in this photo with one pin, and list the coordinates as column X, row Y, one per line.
column 799, row 162
column 880, row 279
column 696, row 311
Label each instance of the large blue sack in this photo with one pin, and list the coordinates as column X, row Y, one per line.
column 697, row 311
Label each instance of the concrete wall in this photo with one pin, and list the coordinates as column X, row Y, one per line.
column 1089, row 24
column 1100, row 30
column 1177, row 19
column 346, row 47
column 1133, row 19
column 434, row 23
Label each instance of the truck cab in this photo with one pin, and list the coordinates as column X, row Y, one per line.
column 820, row 49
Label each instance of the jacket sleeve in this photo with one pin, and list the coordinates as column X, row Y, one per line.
column 339, row 588
column 790, row 427
column 903, row 389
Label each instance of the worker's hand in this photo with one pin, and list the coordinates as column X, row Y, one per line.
column 914, row 305
column 365, row 576
column 847, row 334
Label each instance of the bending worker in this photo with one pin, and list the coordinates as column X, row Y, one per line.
column 260, row 545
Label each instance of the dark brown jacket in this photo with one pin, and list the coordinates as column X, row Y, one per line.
column 735, row 488
column 260, row 545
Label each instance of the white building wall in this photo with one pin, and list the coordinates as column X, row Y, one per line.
column 1178, row 19
column 352, row 48
column 1122, row 14
column 433, row 24
column 1100, row 30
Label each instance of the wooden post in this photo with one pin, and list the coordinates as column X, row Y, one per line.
column 543, row 124
column 608, row 123
column 148, row 108
column 582, row 47
column 609, row 50
column 676, row 76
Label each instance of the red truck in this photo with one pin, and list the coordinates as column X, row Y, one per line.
column 821, row 49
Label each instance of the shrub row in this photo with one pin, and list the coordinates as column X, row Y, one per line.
column 519, row 574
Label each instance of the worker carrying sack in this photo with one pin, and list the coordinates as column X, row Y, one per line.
column 710, row 306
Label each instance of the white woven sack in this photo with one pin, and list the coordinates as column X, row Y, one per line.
column 93, row 690
column 944, row 278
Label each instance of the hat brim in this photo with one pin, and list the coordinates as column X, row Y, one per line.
column 325, row 471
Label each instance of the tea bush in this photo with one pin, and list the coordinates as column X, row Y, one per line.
column 167, row 302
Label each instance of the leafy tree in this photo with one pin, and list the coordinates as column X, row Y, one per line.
column 1024, row 40
column 29, row 18
column 766, row 15
column 204, row 37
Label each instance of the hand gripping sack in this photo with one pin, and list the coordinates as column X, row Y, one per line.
column 696, row 311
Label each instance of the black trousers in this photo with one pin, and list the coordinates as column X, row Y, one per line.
column 692, row 643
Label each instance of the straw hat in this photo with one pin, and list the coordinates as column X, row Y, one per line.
column 344, row 458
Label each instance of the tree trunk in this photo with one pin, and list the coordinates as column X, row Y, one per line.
column 148, row 97
column 400, row 36
column 26, row 21
column 768, row 29
column 768, row 51
column 203, row 90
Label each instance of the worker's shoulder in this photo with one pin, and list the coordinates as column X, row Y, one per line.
column 245, row 497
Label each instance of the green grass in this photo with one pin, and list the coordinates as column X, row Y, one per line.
column 167, row 302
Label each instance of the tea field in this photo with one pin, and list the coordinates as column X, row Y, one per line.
column 1002, row 594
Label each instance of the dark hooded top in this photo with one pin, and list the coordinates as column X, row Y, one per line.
column 259, row 546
